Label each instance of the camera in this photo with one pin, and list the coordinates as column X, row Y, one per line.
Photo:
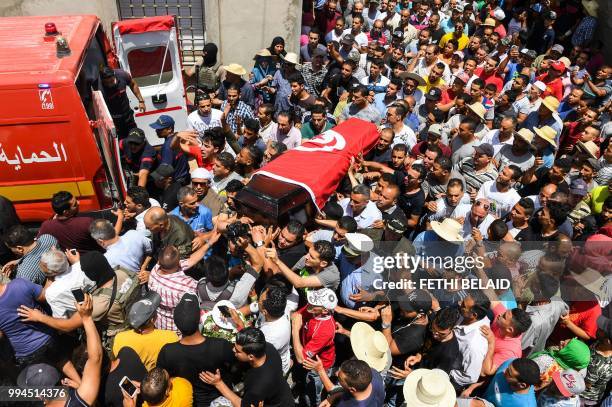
column 237, row 230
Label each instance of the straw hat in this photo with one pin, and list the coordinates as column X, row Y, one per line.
column 589, row 147
column 263, row 53
column 547, row 133
column 415, row 77
column 429, row 388
column 591, row 7
column 489, row 22
column 236, row 69
column 370, row 346
column 449, row 229
column 525, row 134
column 551, row 103
column 291, row 57
column 479, row 109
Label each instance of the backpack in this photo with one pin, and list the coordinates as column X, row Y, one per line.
column 206, row 303
column 207, row 78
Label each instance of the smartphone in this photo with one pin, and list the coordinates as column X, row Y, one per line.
column 79, row 295
column 129, row 387
column 225, row 311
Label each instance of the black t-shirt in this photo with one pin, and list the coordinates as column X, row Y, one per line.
column 167, row 198
column 187, row 361
column 408, row 338
column 339, row 85
column 116, row 97
column 145, row 159
column 526, row 235
column 376, row 156
column 267, row 383
column 292, row 254
column 543, row 177
column 131, row 366
column 442, row 355
column 411, row 204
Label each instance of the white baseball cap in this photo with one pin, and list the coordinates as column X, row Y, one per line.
column 201, row 173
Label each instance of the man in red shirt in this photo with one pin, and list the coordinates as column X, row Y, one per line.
column 325, row 19
column 489, row 73
column 313, row 329
column 553, row 81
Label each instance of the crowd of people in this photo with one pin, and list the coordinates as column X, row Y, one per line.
column 494, row 145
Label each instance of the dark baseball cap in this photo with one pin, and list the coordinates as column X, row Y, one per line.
column 143, row 309
column 163, row 122
column 348, row 39
column 163, row 171
column 136, row 136
column 107, row 72
column 38, row 375
column 434, row 94
column 187, row 314
column 485, row 148
column 579, row 187
column 417, row 301
column 318, row 52
column 397, row 224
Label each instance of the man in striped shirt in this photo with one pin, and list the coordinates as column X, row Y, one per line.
column 169, row 280
column 478, row 169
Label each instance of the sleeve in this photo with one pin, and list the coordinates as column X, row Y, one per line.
column 147, row 244
column 328, row 278
column 243, row 287
column 195, row 152
column 345, row 113
column 34, row 289
column 148, row 158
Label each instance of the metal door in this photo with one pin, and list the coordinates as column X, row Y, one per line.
column 189, row 14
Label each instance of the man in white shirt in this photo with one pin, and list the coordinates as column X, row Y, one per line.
column 64, row 278
column 500, row 192
column 286, row 132
column 127, row 251
column 137, row 203
column 273, row 318
column 357, row 31
column 472, row 344
column 502, row 136
column 205, row 117
column 360, row 207
column 478, row 217
column 403, row 134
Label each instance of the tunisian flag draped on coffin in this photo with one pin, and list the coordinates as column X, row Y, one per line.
column 319, row 164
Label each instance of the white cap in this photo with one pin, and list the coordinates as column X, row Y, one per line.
column 540, row 85
column 323, row 297
column 357, row 243
column 499, row 14
column 201, row 173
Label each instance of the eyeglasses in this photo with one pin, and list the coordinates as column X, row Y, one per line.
column 201, row 184
column 484, row 205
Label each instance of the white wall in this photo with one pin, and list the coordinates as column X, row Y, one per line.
column 242, row 27
column 106, row 10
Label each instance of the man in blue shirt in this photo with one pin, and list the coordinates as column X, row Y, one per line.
column 196, row 215
column 512, row 384
column 164, row 127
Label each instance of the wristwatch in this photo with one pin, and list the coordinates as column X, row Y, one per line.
column 259, row 243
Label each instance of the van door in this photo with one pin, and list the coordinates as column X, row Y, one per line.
column 108, row 145
column 148, row 48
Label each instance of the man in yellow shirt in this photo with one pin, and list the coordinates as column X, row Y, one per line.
column 145, row 339
column 434, row 79
column 458, row 34
column 158, row 389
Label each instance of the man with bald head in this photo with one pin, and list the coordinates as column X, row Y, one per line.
column 169, row 230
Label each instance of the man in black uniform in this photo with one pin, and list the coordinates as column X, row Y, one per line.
column 114, row 85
